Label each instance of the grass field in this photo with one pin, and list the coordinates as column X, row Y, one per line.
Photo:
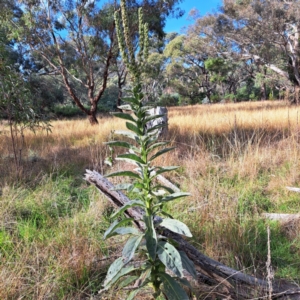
column 235, row 159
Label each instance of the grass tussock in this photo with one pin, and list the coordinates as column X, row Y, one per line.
column 235, row 159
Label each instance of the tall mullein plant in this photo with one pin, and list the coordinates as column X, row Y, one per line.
column 162, row 264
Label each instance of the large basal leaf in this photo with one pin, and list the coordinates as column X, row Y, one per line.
column 176, row 226
column 128, row 205
column 131, row 157
column 150, row 236
column 161, row 152
column 171, row 288
column 124, row 173
column 113, row 270
column 130, row 247
column 124, row 116
column 170, row 257
column 174, row 196
column 110, row 231
column 187, row 264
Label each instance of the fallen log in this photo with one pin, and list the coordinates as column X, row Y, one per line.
column 281, row 217
column 230, row 283
column 293, row 189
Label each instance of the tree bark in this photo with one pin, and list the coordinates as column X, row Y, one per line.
column 221, row 280
column 92, row 118
column 296, row 95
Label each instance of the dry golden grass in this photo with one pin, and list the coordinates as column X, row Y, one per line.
column 235, row 159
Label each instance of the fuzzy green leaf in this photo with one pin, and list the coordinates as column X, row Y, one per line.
column 133, row 294
column 122, row 186
column 176, row 226
column 169, row 190
column 149, row 140
column 124, row 116
column 145, row 108
column 187, row 264
column 125, row 107
column 170, row 257
column 123, row 271
column 133, row 128
column 111, row 230
column 145, row 275
column 130, row 247
column 128, row 205
column 126, row 230
column 113, row 270
column 127, row 281
column 124, row 173
column 153, row 117
column 161, row 152
column 130, row 157
column 131, row 100
column 172, row 288
column 164, row 213
column 156, row 145
column 154, row 128
column 150, row 236
column 185, row 282
column 159, row 171
column 174, row 196
column 121, row 144
column 126, row 134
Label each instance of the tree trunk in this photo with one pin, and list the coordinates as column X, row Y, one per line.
column 220, row 281
column 92, row 118
column 263, row 92
column 296, row 95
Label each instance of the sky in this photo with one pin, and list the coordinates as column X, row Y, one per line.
column 203, row 6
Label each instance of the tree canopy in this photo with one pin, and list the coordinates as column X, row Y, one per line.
column 75, row 41
column 67, row 51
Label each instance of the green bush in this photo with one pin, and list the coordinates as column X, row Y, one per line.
column 168, row 100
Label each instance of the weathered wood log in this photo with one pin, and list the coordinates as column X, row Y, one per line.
column 281, row 217
column 167, row 183
column 163, row 120
column 293, row 189
column 233, row 284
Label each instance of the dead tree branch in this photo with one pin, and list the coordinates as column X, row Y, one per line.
column 235, row 284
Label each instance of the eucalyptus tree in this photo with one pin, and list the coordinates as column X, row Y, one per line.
column 186, row 70
column 16, row 105
column 75, row 40
column 262, row 32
